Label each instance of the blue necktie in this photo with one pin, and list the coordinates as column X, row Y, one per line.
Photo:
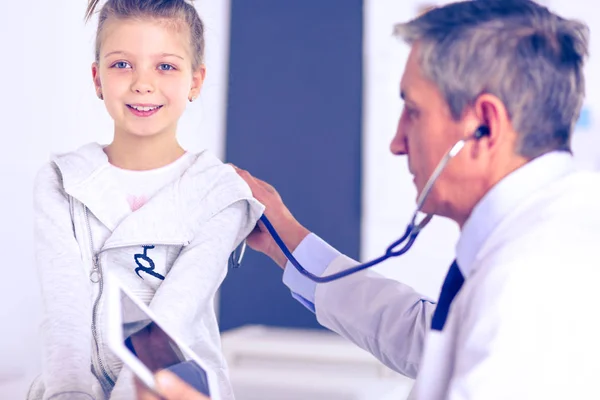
column 450, row 288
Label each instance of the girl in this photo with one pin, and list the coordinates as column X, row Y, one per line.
column 162, row 219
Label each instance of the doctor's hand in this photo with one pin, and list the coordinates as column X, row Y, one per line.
column 170, row 387
column 289, row 229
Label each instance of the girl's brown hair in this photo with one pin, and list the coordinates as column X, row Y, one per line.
column 177, row 10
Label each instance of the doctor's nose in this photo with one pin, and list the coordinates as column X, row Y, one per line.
column 399, row 146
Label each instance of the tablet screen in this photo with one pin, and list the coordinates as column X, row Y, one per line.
column 145, row 339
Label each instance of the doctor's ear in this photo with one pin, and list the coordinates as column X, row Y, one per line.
column 492, row 116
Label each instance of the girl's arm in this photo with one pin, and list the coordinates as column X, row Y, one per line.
column 196, row 275
column 66, row 296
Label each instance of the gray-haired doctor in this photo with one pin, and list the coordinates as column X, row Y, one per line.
column 516, row 318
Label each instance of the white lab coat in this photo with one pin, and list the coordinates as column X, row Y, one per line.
column 523, row 326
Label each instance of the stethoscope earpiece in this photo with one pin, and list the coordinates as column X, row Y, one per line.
column 481, row 132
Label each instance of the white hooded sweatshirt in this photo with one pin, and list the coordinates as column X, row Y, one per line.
column 84, row 226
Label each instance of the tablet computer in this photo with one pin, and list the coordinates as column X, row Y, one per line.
column 146, row 346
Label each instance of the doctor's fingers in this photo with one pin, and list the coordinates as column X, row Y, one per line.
column 270, row 189
column 260, row 189
column 260, row 239
column 143, row 393
column 170, row 387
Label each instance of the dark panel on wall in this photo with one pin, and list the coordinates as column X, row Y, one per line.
column 294, row 120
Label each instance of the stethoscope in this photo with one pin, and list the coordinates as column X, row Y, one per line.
column 396, row 249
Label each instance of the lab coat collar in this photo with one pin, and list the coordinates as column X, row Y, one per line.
column 497, row 203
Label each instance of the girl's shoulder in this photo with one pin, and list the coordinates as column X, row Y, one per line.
column 73, row 166
column 209, row 172
column 210, row 186
column 204, row 160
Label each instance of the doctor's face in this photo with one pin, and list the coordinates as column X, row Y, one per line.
column 426, row 131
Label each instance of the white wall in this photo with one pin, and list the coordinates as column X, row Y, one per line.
column 49, row 105
column 388, row 192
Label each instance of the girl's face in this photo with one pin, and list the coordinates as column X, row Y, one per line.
column 145, row 75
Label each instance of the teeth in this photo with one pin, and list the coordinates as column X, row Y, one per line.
column 144, row 108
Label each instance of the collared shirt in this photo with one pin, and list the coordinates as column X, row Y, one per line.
column 503, row 198
column 521, row 326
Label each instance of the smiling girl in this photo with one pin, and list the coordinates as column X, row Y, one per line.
column 162, row 219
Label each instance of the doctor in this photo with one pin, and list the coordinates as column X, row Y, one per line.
column 517, row 314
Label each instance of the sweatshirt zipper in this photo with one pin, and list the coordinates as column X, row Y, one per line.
column 96, row 277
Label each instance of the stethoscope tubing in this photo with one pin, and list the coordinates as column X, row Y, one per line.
column 408, row 238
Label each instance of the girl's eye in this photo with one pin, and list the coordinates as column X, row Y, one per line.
column 121, row 65
column 166, row 67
